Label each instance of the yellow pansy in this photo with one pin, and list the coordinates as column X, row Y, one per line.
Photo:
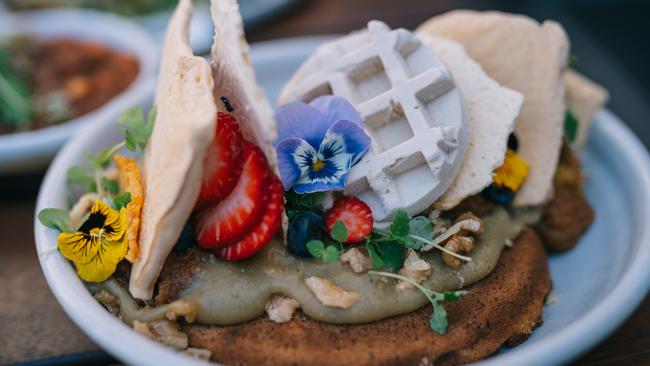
column 513, row 172
column 130, row 181
column 98, row 245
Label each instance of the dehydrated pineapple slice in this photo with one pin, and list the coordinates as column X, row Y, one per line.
column 130, row 181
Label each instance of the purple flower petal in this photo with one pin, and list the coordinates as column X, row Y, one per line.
column 300, row 120
column 289, row 170
column 355, row 139
column 336, row 109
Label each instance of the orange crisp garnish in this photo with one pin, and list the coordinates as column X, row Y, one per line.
column 130, row 181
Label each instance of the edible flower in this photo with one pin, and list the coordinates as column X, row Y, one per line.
column 513, row 172
column 318, row 143
column 98, row 245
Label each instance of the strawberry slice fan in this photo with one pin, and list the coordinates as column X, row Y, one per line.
column 235, row 215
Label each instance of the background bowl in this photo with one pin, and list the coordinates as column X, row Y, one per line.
column 598, row 284
column 33, row 150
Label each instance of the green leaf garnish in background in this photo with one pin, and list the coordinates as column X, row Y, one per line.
column 82, row 177
column 137, row 131
column 15, row 98
column 110, row 185
column 438, row 321
column 55, row 218
column 121, row 200
column 570, row 126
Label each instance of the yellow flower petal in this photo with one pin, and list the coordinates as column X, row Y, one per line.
column 513, row 172
column 130, row 181
column 78, row 247
column 114, row 223
column 104, row 263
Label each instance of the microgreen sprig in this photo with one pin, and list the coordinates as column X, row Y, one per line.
column 415, row 233
column 329, row 253
column 137, row 131
column 438, row 321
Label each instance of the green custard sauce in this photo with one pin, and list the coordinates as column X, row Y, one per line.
column 236, row 292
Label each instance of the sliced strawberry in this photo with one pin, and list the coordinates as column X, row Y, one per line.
column 233, row 217
column 355, row 215
column 223, row 162
column 262, row 234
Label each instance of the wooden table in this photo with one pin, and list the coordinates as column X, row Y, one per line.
column 33, row 326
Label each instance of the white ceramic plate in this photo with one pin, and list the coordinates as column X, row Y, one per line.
column 598, row 284
column 29, row 151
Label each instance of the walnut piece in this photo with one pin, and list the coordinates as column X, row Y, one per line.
column 329, row 294
column 465, row 225
column 358, row 260
column 163, row 331
column 110, row 301
column 460, row 245
column 415, row 268
column 280, row 308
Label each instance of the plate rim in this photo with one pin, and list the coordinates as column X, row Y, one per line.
column 563, row 346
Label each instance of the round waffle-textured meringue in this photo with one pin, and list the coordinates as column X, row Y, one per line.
column 411, row 108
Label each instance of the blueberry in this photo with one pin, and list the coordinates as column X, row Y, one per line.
column 497, row 194
column 513, row 142
column 187, row 239
column 303, row 227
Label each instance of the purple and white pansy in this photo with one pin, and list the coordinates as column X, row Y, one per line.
column 318, row 143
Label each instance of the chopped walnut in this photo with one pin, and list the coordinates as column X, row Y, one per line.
column 465, row 225
column 415, row 268
column 358, row 260
column 199, row 353
column 329, row 294
column 181, row 308
column 460, row 245
column 81, row 208
column 163, row 331
column 280, row 308
column 109, row 300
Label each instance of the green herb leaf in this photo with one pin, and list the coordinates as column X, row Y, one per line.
column 573, row 60
column 304, row 202
column 392, row 254
column 137, row 130
column 375, row 258
column 110, row 185
column 570, row 126
column 438, row 321
column 102, row 159
column 331, row 254
column 316, row 248
column 121, row 200
column 400, row 226
column 55, row 218
column 339, row 232
column 422, row 227
column 453, row 295
column 83, row 177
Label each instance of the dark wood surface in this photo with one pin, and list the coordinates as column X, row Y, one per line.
column 32, row 325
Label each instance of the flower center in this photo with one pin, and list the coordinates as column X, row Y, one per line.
column 317, row 165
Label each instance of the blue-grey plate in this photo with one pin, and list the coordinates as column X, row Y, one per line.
column 598, row 284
